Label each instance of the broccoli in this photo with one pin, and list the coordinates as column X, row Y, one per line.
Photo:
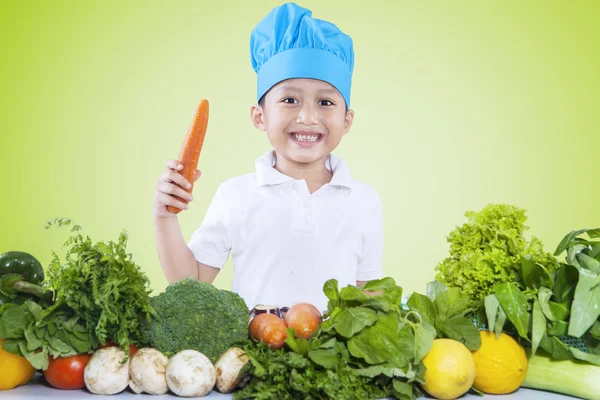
column 197, row 316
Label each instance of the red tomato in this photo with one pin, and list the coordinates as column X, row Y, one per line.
column 67, row 373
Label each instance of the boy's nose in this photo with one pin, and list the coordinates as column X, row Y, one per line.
column 308, row 115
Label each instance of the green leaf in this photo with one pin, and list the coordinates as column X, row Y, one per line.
column 585, row 309
column 491, row 310
column 371, row 371
column 38, row 360
column 424, row 335
column 13, row 321
column 378, row 285
column 327, row 358
column 59, row 348
column 461, row 329
column 566, row 281
column 343, row 351
column 564, row 243
column 560, row 311
column 13, row 346
column 588, row 357
column 589, row 263
column 379, row 303
column 451, row 302
column 298, row 345
column 556, row 348
column 514, row 303
column 402, row 390
column 538, row 327
column 80, row 345
column 572, row 254
column 353, row 320
column 386, row 341
column 434, row 288
column 34, row 309
column 323, row 343
column 424, row 306
column 33, row 343
column 500, row 322
column 559, row 328
column 352, row 293
column 535, row 275
column 544, row 295
column 595, row 250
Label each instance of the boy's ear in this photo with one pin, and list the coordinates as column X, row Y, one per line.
column 257, row 116
column 348, row 121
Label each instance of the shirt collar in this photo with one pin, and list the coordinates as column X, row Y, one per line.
column 266, row 174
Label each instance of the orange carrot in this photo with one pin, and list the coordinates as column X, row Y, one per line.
column 190, row 151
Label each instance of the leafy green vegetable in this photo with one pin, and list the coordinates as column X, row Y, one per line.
column 448, row 311
column 102, row 284
column 514, row 304
column 366, row 347
column 36, row 333
column 196, row 315
column 558, row 311
column 285, row 375
column 488, row 250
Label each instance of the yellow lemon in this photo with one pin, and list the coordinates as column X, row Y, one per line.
column 501, row 364
column 450, row 369
column 14, row 370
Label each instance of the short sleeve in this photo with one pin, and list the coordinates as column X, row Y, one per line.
column 211, row 243
column 370, row 265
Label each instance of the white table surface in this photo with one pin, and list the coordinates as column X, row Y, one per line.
column 38, row 388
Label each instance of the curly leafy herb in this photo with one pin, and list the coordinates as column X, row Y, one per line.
column 487, row 251
column 102, row 284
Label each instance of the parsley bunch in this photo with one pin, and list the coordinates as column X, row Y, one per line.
column 101, row 283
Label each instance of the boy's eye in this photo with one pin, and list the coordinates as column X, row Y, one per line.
column 289, row 100
column 326, row 102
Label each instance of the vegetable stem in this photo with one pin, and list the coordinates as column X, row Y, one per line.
column 30, row 288
column 570, row 377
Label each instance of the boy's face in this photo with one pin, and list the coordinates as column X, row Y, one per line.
column 304, row 119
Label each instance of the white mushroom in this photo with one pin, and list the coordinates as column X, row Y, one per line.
column 147, row 371
column 190, row 374
column 229, row 369
column 106, row 373
column 134, row 388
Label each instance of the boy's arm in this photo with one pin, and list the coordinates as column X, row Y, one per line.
column 177, row 260
column 175, row 257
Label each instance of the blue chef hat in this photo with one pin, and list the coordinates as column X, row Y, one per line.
column 289, row 43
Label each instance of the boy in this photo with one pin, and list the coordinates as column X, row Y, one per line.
column 299, row 219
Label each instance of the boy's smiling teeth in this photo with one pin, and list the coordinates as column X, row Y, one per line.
column 306, row 137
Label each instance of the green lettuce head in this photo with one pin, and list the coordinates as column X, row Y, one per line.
column 487, row 250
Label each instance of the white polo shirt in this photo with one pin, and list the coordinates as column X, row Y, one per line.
column 286, row 243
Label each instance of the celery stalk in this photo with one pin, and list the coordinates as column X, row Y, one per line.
column 570, row 377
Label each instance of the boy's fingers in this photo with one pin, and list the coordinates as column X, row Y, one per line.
column 176, row 177
column 170, row 189
column 198, row 173
column 167, row 200
column 174, row 164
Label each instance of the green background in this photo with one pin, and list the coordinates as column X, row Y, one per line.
column 458, row 105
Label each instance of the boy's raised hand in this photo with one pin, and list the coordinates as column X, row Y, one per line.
column 169, row 190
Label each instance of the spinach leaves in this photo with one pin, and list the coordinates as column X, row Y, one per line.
column 550, row 309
